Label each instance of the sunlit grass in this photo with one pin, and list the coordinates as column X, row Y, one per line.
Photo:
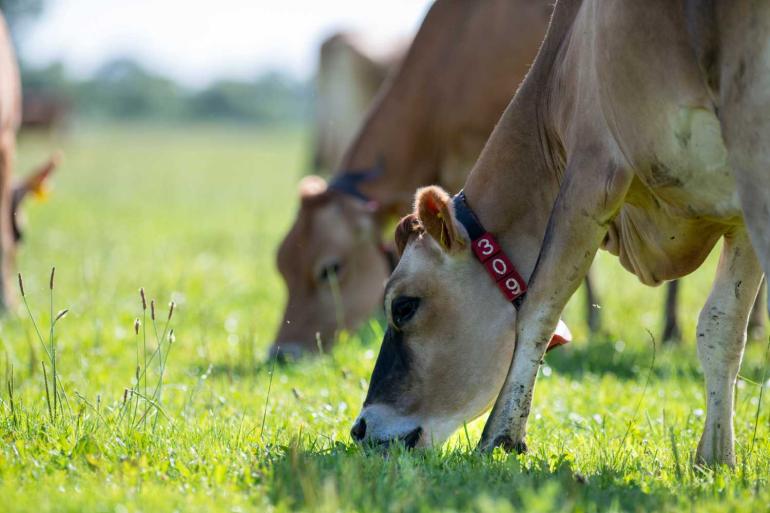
column 194, row 217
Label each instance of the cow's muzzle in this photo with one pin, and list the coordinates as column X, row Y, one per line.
column 410, row 439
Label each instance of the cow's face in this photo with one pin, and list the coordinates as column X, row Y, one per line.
column 333, row 267
column 450, row 334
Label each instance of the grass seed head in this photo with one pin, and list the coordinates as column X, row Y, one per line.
column 62, row 313
column 53, row 275
column 21, row 285
column 152, row 309
column 171, row 306
column 137, row 324
column 144, row 299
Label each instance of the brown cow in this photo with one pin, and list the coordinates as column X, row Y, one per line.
column 427, row 126
column 619, row 137
column 349, row 75
column 11, row 196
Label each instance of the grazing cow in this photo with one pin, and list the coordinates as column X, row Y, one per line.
column 622, row 137
column 12, row 195
column 348, row 77
column 427, row 126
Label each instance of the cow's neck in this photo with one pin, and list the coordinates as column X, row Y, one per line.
column 393, row 142
column 514, row 185
column 402, row 131
column 512, row 190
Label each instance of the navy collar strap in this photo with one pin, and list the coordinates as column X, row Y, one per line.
column 466, row 217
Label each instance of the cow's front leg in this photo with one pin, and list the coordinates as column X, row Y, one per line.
column 721, row 339
column 587, row 202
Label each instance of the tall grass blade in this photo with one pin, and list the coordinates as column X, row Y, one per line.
column 10, row 398
column 267, row 399
column 47, row 394
column 762, row 386
column 53, row 345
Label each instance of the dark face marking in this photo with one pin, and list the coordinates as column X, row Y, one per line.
column 391, row 374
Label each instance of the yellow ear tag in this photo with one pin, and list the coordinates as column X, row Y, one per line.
column 40, row 192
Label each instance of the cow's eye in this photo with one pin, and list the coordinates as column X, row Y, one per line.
column 329, row 272
column 402, row 309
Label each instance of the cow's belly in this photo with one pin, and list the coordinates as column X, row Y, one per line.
column 683, row 198
column 655, row 246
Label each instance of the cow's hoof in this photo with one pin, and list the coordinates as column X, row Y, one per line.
column 711, row 455
column 505, row 442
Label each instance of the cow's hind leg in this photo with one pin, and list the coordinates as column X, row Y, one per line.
column 593, row 314
column 758, row 314
column 671, row 330
column 744, row 110
column 721, row 338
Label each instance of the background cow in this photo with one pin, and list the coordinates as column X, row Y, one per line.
column 427, row 126
column 349, row 75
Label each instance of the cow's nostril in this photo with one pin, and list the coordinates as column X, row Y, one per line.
column 358, row 431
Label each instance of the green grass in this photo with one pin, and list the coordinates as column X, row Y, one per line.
column 194, row 216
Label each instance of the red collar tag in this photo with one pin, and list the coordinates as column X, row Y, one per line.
column 499, row 267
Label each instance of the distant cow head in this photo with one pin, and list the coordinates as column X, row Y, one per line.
column 450, row 334
column 333, row 267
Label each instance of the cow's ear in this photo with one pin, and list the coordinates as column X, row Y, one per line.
column 311, row 187
column 435, row 212
column 36, row 182
column 408, row 227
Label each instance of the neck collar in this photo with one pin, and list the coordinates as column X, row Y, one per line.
column 491, row 255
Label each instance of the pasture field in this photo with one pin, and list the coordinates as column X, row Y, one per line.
column 194, row 215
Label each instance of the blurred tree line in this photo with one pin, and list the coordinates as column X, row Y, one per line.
column 16, row 12
column 124, row 90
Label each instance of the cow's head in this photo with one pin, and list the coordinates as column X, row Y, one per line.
column 333, row 266
column 450, row 334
